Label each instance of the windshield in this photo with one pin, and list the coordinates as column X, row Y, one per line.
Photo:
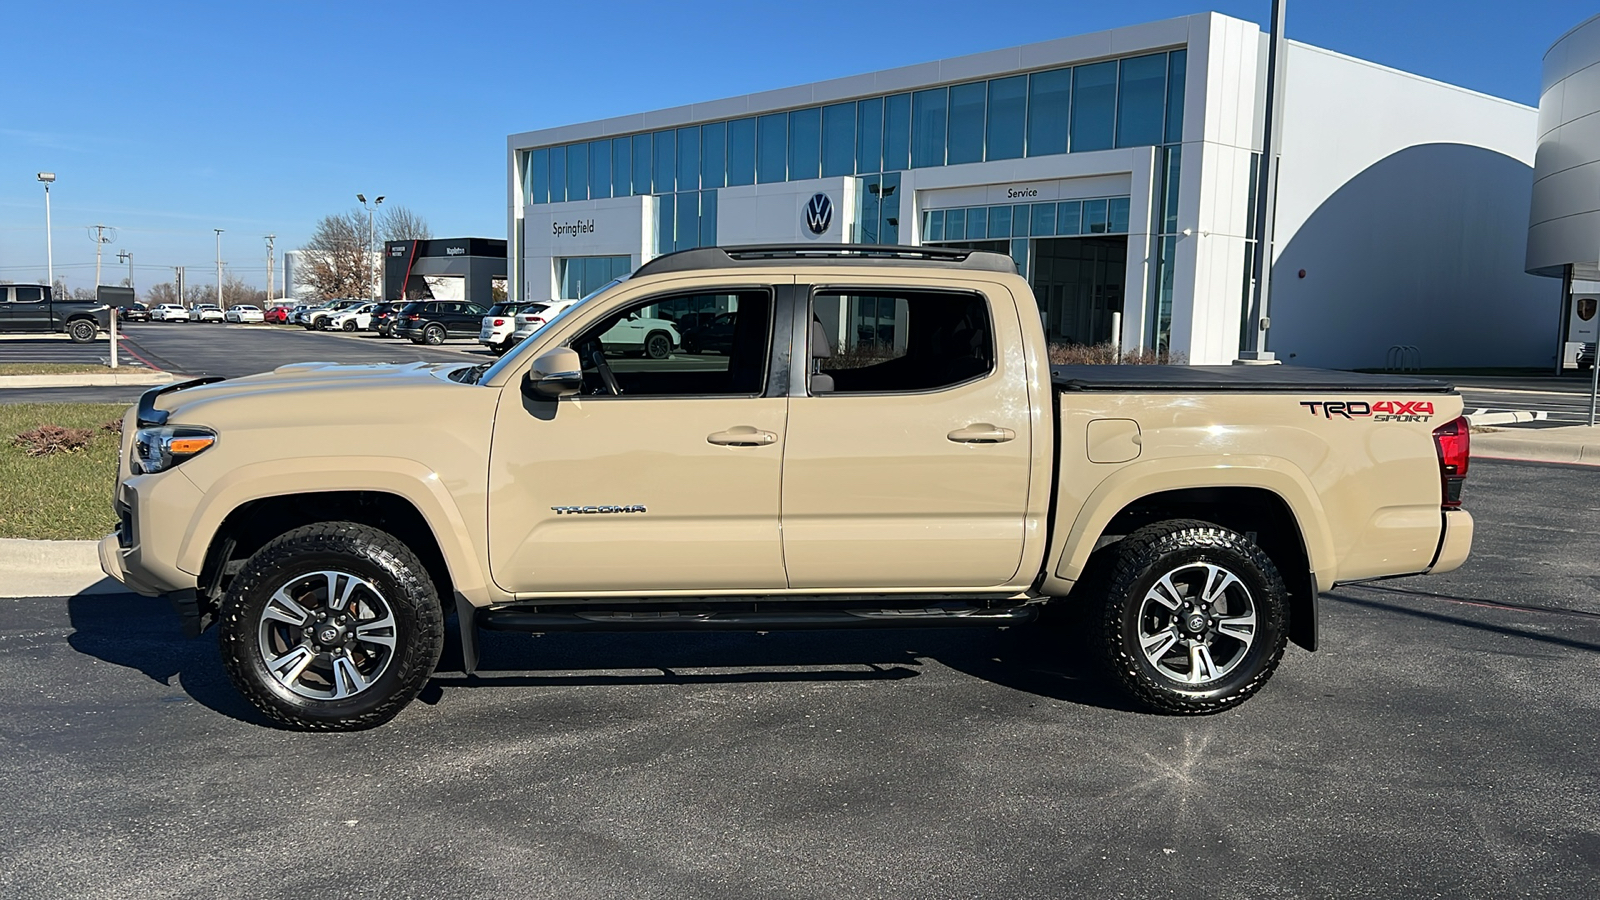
column 506, row 360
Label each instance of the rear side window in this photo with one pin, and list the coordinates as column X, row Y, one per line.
column 900, row 341
column 29, row 294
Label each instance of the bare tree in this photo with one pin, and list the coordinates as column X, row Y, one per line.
column 397, row 223
column 235, row 292
column 196, row 294
column 165, row 292
column 337, row 262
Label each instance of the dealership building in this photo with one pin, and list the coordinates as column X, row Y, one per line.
column 1117, row 169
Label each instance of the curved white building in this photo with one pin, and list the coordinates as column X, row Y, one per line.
column 1564, row 221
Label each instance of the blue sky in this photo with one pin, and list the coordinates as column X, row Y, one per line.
column 172, row 119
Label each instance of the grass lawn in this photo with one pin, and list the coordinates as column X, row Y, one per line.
column 52, row 369
column 65, row 496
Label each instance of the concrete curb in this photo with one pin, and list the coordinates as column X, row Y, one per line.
column 1575, row 445
column 143, row 376
column 52, row 569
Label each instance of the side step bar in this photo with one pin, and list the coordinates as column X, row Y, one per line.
column 535, row 620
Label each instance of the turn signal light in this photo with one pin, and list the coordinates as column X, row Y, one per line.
column 191, row 445
column 1453, row 440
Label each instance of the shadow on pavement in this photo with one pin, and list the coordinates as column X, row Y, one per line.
column 143, row 633
column 1036, row 659
column 1506, row 630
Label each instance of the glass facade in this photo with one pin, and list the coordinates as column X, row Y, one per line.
column 581, row 275
column 1108, row 215
column 1136, row 101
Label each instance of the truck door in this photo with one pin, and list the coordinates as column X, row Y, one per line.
column 29, row 311
column 909, row 455
column 663, row 474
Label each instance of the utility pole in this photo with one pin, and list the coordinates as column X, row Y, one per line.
column 1255, row 332
column 48, row 178
column 270, row 239
column 100, row 240
column 127, row 257
column 372, row 278
column 178, row 271
column 219, row 266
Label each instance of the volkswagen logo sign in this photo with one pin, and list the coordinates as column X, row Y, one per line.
column 819, row 213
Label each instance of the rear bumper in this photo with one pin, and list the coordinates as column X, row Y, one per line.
column 1456, row 543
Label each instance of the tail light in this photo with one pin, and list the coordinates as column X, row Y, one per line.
column 1453, row 440
column 533, row 320
column 499, row 322
column 413, row 317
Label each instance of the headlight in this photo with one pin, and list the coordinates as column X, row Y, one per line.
column 159, row 449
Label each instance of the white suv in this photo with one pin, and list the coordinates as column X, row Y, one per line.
column 508, row 323
column 356, row 318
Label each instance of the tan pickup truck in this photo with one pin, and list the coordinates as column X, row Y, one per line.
column 867, row 437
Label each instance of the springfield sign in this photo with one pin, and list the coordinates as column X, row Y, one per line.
column 572, row 229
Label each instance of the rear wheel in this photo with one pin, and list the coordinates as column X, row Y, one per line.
column 331, row 627
column 433, row 335
column 1195, row 618
column 82, row 331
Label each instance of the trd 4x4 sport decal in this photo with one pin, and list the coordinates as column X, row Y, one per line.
column 1381, row 411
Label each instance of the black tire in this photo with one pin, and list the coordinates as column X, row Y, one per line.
column 502, row 348
column 658, row 345
column 400, row 582
column 433, row 335
column 82, row 331
column 1193, row 548
column 349, row 325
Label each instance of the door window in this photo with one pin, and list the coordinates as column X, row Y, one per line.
column 899, row 341
column 29, row 294
column 640, row 350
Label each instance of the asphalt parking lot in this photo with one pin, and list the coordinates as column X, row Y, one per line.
column 227, row 350
column 1441, row 744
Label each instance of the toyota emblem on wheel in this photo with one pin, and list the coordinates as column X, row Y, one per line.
column 819, row 213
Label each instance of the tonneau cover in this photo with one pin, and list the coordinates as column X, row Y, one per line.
column 1244, row 379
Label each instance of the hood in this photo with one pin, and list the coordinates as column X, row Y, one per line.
column 319, row 384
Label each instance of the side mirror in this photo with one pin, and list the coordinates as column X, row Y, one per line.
column 554, row 375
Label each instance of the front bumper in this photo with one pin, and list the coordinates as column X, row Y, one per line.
column 113, row 561
column 1456, row 544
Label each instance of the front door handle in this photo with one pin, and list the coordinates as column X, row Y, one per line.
column 742, row 436
column 981, row 433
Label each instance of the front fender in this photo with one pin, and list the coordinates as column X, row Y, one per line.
column 403, row 478
column 1155, row 476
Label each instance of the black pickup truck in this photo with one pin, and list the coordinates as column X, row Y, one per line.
column 30, row 308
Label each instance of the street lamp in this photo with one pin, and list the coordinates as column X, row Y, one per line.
column 48, row 178
column 372, row 275
column 219, row 266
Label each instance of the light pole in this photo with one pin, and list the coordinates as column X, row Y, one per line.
column 48, row 178
column 219, row 266
column 372, row 277
column 270, row 239
column 127, row 257
column 1257, row 326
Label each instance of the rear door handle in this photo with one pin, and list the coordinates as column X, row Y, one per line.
column 742, row 436
column 981, row 433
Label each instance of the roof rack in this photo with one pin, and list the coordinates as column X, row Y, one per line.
column 769, row 254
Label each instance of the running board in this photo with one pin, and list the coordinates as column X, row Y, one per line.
column 514, row 619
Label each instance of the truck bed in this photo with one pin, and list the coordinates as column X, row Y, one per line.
column 1241, row 379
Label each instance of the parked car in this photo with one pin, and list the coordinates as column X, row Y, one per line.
column 432, row 321
column 297, row 315
column 500, row 323
column 32, row 308
column 317, row 319
column 356, row 318
column 1189, row 516
column 528, row 323
column 1586, row 357
column 138, row 312
column 170, row 312
column 208, row 312
column 383, row 317
column 277, row 315
column 715, row 336
column 245, row 314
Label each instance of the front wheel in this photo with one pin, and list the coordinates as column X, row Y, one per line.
column 1195, row 618
column 82, row 331
column 349, row 325
column 331, row 627
column 658, row 345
